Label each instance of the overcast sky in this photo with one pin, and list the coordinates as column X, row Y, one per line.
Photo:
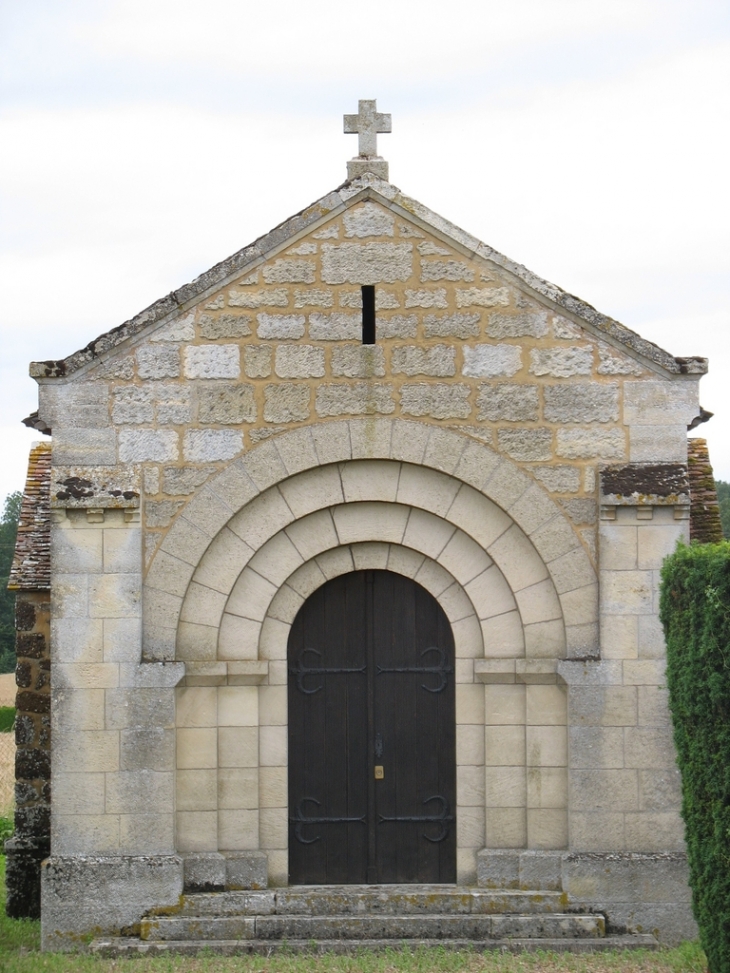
column 144, row 140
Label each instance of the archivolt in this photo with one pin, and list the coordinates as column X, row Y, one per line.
column 335, row 472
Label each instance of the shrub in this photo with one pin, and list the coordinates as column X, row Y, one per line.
column 695, row 613
column 7, row 718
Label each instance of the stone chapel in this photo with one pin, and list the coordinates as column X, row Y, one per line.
column 354, row 559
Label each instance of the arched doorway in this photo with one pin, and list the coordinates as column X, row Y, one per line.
column 372, row 769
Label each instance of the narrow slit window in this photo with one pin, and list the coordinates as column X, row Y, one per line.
column 368, row 314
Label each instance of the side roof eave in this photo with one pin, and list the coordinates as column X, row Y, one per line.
column 324, row 209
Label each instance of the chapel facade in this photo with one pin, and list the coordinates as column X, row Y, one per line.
column 355, row 552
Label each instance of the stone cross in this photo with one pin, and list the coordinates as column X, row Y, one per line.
column 367, row 124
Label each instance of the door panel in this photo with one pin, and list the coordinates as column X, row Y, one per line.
column 371, row 684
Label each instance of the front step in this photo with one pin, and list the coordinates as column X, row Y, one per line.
column 373, row 927
column 130, row 946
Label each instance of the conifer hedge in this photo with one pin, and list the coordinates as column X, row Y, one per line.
column 695, row 613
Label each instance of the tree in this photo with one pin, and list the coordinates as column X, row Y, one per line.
column 723, row 498
column 8, row 530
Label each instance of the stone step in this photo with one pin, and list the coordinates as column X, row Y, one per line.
column 370, row 900
column 129, row 946
column 374, row 927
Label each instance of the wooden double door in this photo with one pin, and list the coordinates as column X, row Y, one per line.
column 372, row 765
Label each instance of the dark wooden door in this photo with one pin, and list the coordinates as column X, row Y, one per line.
column 372, row 769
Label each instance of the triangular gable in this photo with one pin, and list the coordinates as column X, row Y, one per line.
column 368, row 187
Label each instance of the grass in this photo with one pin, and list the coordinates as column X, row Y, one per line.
column 7, row 718
column 20, row 945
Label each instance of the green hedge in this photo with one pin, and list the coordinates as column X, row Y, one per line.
column 7, row 718
column 695, row 613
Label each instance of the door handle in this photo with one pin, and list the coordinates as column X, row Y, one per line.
column 379, row 772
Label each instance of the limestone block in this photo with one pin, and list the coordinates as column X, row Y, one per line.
column 257, row 361
column 115, row 596
column 357, row 361
column 273, row 709
column 426, row 533
column 368, row 219
column 413, row 360
column 547, row 828
column 603, row 706
column 562, row 363
column 660, row 789
column 482, row 297
column 527, row 324
column 507, row 484
column 87, row 752
column 554, row 538
column 655, row 542
column 644, row 672
column 369, row 480
column 158, row 362
column 250, row 596
column 427, row 298
column 147, row 748
column 196, row 748
column 83, row 405
column 452, row 325
column 209, row 445
column 427, row 489
column 337, row 326
column 464, row 558
column 504, row 705
column 84, row 447
column 238, row 788
column 76, row 551
column 238, row 746
column 545, row 640
column 490, row 593
column 409, row 441
column 444, row 449
column 438, row 400
column 238, row 830
column 500, row 400
column 122, row 554
column 545, row 705
column 273, row 791
column 280, row 325
column 264, row 464
column 660, row 403
column 238, row 706
column 597, row 831
column 368, row 263
column 657, row 444
column 261, row 518
column 273, row 746
column 517, row 559
column 196, row 831
column 651, row 638
column 610, row 790
column 627, row 592
column 445, row 270
column 591, row 442
column 503, row 636
column 312, row 297
column 271, row 297
column 212, row 361
column 81, row 709
column 312, row 490
column 478, row 517
column 547, row 746
column 148, row 445
column 469, row 745
column 505, row 787
column 370, row 437
column 354, row 399
column 571, row 570
column 581, row 402
column 620, row 636
column 238, row 637
column 581, row 511
column 277, row 559
column 470, row 787
column 504, row 745
column 287, row 402
column 547, row 787
column 526, row 445
column 558, row 479
column 173, row 402
column 196, row 706
column 183, row 480
column 370, row 521
column 655, row 832
column 299, row 361
column 224, row 325
column 196, row 790
column 396, row 326
column 124, row 707
column 287, row 271
column 133, row 404
column 618, row 546
column 596, row 747
column 226, row 404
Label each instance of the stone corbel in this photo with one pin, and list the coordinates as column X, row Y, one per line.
column 522, row 671
column 237, row 673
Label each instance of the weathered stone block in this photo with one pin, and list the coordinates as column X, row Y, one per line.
column 482, row 297
column 204, row 872
column 288, row 271
column 226, row 404
column 445, row 270
column 77, row 404
column 148, row 445
column 559, row 479
column 526, row 445
column 414, row 360
column 397, row 326
column 158, row 362
column 593, row 442
column 358, row 361
column 358, row 399
column 451, row 325
column 224, row 326
column 209, row 445
column 272, row 297
column 84, row 447
column 366, row 263
column 257, row 361
column 427, row 298
column 337, row 326
column 562, row 362
column 212, row 361
column 369, row 219
column 287, row 402
column 490, row 361
column 280, row 325
column 183, row 480
column 657, row 444
column 438, row 400
column 612, row 362
column 660, row 403
column 527, row 324
column 581, row 402
column 500, row 400
column 313, row 297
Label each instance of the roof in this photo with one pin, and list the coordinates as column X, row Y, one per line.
column 704, row 519
column 31, row 568
column 366, row 186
